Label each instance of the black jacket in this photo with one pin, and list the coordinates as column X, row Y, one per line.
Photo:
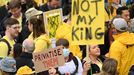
column 24, row 59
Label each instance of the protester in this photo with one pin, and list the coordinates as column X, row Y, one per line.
column 12, row 30
column 122, row 47
column 73, row 65
column 93, row 65
column 41, row 39
column 26, row 57
column 50, row 5
column 109, row 67
column 8, row 66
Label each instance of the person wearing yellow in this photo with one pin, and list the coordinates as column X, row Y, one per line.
column 64, row 31
column 122, row 49
column 12, row 31
column 36, row 25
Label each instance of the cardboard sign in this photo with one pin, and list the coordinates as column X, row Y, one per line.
column 52, row 20
column 48, row 58
column 87, row 22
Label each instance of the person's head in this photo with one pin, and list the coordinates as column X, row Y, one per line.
column 124, row 12
column 94, row 50
column 28, row 45
column 15, row 8
column 110, row 66
column 26, row 4
column 12, row 27
column 36, row 24
column 25, row 70
column 65, row 44
column 17, row 50
column 54, row 4
column 8, row 65
column 120, row 25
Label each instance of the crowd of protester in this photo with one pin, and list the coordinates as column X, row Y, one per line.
column 22, row 33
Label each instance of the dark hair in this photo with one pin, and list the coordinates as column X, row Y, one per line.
column 63, row 42
column 38, row 25
column 110, row 66
column 14, row 4
column 17, row 50
column 120, row 9
column 10, row 21
column 131, row 10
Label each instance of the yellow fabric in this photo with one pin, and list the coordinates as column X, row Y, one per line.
column 120, row 52
column 24, row 70
column 4, row 47
column 3, row 2
column 40, row 2
column 64, row 31
column 42, row 43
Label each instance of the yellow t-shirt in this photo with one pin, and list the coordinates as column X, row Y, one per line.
column 40, row 2
column 4, row 47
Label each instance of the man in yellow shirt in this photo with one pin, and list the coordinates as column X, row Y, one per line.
column 122, row 49
column 12, row 30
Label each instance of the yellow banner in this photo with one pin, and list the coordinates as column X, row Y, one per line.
column 52, row 21
column 87, row 22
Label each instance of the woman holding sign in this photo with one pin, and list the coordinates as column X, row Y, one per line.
column 94, row 64
column 72, row 66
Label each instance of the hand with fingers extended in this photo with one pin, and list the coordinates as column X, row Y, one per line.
column 86, row 67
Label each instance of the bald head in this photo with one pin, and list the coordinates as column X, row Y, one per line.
column 28, row 45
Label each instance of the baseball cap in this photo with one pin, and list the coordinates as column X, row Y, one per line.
column 8, row 64
column 32, row 12
column 24, row 70
column 120, row 24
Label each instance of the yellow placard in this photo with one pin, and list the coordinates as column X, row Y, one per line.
column 87, row 22
column 52, row 20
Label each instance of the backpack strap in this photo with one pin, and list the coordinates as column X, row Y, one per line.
column 76, row 64
column 9, row 47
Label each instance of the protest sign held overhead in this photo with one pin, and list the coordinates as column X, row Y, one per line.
column 48, row 58
column 87, row 22
column 52, row 20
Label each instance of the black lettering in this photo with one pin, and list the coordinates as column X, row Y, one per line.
column 50, row 54
column 91, row 19
column 75, row 7
column 81, row 33
column 98, row 35
column 96, row 4
column 59, row 52
column 55, row 52
column 85, row 8
column 88, row 33
column 74, row 33
column 81, row 18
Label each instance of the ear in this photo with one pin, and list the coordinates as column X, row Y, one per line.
column 7, row 27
